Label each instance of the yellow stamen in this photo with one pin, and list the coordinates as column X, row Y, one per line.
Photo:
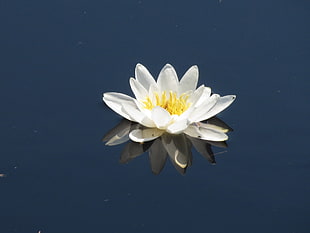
column 173, row 104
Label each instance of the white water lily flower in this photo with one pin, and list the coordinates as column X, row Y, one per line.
column 169, row 105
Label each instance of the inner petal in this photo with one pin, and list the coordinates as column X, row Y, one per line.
column 171, row 102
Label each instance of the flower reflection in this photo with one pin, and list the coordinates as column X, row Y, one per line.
column 178, row 147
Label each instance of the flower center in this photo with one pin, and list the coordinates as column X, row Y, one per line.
column 173, row 104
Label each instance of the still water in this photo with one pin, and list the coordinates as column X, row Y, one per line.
column 58, row 57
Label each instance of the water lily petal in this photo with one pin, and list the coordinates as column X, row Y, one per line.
column 136, row 115
column 154, row 89
column 139, row 91
column 203, row 108
column 168, row 79
column 144, row 77
column 115, row 100
column 209, row 134
column 145, row 135
column 133, row 112
column 216, row 127
column 117, row 97
column 221, row 104
column 178, row 126
column 189, row 80
column 160, row 117
column 203, row 98
column 199, row 96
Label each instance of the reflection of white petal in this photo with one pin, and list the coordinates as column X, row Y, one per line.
column 160, row 117
column 144, row 77
column 189, row 80
column 168, row 79
column 205, row 133
column 178, row 158
column 204, row 148
column 157, row 156
column 117, row 139
column 119, row 133
column 131, row 151
column 145, row 135
column 178, row 149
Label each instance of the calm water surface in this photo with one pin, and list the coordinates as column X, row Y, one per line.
column 58, row 57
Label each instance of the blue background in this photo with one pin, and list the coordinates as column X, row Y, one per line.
column 58, row 57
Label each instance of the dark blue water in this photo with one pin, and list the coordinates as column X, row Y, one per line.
column 58, row 57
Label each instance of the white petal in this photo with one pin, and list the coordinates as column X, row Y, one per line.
column 221, row 104
column 145, row 135
column 146, row 121
column 115, row 100
column 153, row 89
column 168, row 79
column 212, row 126
column 209, row 134
column 117, row 97
column 203, row 97
column 144, row 77
column 140, row 92
column 201, row 92
column 178, row 126
column 133, row 112
column 202, row 109
column 161, row 117
column 189, row 80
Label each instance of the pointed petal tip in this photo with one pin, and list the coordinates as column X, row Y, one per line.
column 168, row 66
column 139, row 65
column 194, row 67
